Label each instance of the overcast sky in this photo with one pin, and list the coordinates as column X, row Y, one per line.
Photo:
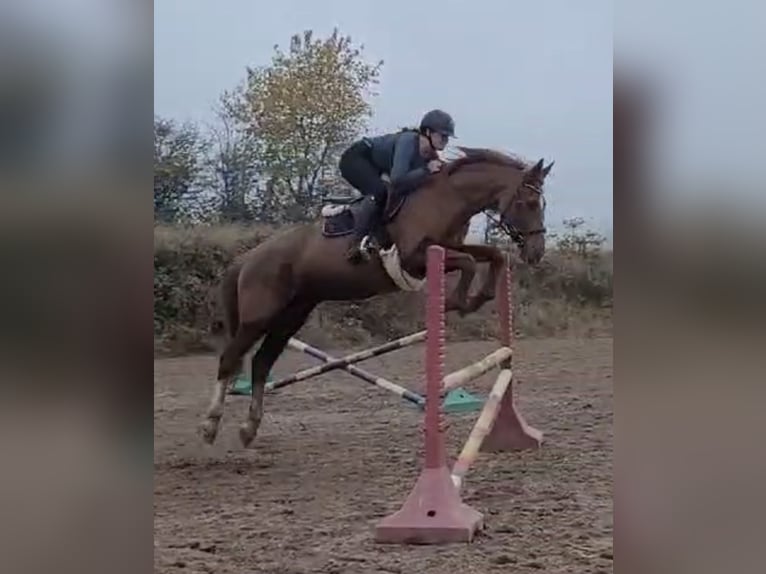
column 534, row 78
column 705, row 59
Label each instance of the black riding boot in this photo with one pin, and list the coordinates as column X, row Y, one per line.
column 365, row 218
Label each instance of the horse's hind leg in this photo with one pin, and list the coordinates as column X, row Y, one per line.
column 255, row 319
column 228, row 368
column 282, row 328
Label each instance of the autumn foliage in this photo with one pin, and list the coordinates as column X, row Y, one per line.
column 301, row 111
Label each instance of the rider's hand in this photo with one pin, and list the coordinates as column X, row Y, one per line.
column 434, row 165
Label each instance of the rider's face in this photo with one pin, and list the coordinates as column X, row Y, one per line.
column 439, row 141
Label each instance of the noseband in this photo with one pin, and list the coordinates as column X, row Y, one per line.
column 517, row 236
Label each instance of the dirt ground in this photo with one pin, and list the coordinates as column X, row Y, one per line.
column 334, row 455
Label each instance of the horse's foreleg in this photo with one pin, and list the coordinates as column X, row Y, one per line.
column 466, row 264
column 455, row 260
column 497, row 261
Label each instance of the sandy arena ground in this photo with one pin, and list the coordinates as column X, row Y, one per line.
column 334, row 455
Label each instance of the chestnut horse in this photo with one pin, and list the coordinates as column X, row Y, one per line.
column 270, row 292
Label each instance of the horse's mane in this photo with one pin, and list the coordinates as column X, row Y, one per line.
column 475, row 155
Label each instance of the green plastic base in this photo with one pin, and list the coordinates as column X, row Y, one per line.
column 242, row 385
column 456, row 401
column 461, row 401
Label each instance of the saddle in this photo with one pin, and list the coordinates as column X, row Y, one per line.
column 339, row 219
column 339, row 216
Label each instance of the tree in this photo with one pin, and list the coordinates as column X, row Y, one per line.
column 233, row 172
column 583, row 243
column 300, row 111
column 179, row 161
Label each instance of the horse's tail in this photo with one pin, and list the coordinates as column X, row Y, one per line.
column 230, row 299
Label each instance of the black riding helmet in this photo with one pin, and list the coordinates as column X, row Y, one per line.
column 438, row 121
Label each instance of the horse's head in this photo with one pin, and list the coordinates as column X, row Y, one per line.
column 492, row 180
column 522, row 213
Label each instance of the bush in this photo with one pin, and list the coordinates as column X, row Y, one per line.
column 569, row 292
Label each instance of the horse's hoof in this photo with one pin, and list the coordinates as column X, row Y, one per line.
column 368, row 246
column 247, row 432
column 209, row 430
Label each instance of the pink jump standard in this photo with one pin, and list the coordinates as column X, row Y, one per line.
column 434, row 513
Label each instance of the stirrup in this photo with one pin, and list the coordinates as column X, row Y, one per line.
column 368, row 244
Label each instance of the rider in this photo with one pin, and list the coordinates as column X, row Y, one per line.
column 407, row 157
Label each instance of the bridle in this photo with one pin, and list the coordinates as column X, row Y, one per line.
column 517, row 236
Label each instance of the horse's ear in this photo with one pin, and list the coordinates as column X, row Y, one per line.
column 547, row 169
column 537, row 168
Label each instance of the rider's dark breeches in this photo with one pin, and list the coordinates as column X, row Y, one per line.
column 357, row 168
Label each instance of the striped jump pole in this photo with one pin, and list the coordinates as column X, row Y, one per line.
column 510, row 432
column 434, row 513
column 343, row 363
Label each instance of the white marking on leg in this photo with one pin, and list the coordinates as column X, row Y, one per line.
column 249, row 428
column 215, row 411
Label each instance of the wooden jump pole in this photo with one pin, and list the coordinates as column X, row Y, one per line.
column 471, row 372
column 346, row 363
column 481, row 428
column 343, row 363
